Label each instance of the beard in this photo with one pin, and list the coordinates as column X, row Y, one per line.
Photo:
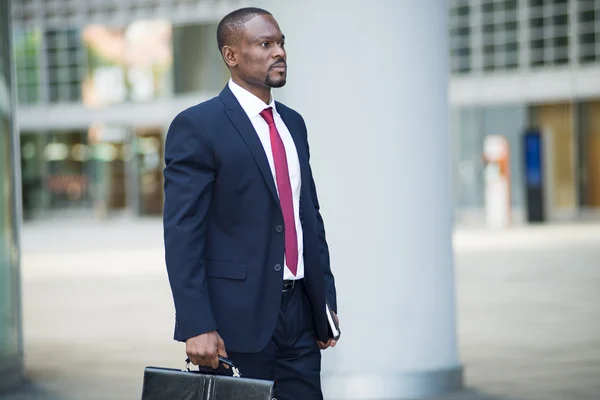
column 280, row 79
column 275, row 83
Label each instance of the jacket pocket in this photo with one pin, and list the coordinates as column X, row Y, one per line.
column 227, row 270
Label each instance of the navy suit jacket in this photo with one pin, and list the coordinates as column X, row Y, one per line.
column 224, row 251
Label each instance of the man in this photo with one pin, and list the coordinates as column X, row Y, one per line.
column 245, row 245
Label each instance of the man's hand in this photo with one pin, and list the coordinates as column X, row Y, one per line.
column 205, row 349
column 330, row 342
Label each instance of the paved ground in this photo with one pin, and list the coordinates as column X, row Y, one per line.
column 528, row 311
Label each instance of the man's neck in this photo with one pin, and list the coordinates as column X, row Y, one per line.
column 263, row 93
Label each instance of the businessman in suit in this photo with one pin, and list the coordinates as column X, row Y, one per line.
column 245, row 245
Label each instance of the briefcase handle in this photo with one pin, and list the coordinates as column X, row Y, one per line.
column 235, row 371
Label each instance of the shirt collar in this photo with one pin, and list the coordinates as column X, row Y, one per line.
column 251, row 104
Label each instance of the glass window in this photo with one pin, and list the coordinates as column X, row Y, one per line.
column 131, row 63
column 149, row 151
column 484, row 35
column 500, row 35
column 66, row 169
column 26, row 50
column 64, row 77
column 199, row 66
column 589, row 31
column 33, row 172
column 460, row 37
column 503, row 35
column 549, row 24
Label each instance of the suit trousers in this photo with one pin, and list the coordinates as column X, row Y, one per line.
column 292, row 358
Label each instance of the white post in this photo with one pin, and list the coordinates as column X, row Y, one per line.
column 370, row 79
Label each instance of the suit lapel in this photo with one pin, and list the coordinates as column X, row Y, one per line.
column 245, row 128
column 302, row 154
column 298, row 141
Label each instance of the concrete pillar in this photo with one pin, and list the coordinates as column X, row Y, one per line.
column 370, row 79
column 12, row 371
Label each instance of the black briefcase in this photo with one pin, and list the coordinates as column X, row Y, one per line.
column 174, row 384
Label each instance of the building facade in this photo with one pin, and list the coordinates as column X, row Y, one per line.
column 98, row 84
column 11, row 349
column 99, row 81
column 519, row 65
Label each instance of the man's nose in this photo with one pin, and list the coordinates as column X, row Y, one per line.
column 279, row 52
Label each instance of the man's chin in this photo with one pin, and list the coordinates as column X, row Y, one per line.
column 276, row 84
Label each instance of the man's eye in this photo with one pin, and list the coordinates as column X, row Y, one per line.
column 265, row 44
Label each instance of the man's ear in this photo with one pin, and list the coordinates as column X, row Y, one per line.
column 229, row 56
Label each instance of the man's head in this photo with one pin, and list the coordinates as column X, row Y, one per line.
column 252, row 46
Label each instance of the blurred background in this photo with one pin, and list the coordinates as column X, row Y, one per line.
column 88, row 89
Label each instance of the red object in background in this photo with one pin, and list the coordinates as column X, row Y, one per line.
column 71, row 185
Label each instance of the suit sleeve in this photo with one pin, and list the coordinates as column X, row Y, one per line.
column 188, row 179
column 330, row 291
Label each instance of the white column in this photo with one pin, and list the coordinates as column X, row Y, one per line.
column 370, row 79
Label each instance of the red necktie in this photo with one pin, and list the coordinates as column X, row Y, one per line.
column 282, row 177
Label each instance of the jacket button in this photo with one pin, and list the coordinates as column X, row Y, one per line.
column 279, row 228
column 277, row 267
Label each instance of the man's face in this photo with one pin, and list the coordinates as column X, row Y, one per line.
column 261, row 54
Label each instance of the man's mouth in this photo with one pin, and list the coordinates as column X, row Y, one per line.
column 279, row 65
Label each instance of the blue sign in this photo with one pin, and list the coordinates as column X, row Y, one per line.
column 533, row 159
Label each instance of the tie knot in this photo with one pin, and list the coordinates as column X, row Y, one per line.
column 267, row 115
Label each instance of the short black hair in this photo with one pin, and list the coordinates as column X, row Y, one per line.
column 231, row 25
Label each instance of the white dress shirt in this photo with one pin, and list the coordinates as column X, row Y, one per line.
column 252, row 105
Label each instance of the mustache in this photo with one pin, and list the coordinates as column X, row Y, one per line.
column 282, row 61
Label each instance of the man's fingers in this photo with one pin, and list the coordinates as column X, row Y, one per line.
column 204, row 362
column 330, row 343
column 213, row 358
column 200, row 361
column 205, row 359
column 197, row 359
column 214, row 362
column 221, row 348
column 194, row 358
column 221, row 351
column 204, row 349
